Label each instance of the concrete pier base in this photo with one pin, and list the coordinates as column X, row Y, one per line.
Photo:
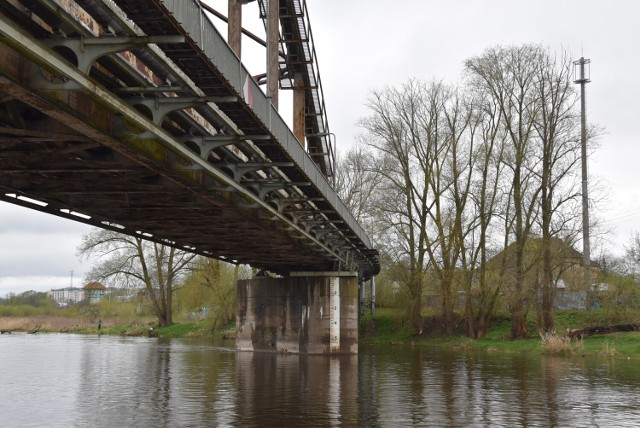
column 306, row 313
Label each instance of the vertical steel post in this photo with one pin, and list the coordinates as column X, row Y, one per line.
column 373, row 295
column 298, row 108
column 273, row 37
column 234, row 27
column 361, row 280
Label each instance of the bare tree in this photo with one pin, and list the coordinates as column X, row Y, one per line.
column 536, row 100
column 509, row 75
column 632, row 254
column 424, row 146
column 557, row 129
column 131, row 261
column 357, row 181
column 469, row 175
column 482, row 284
column 403, row 200
column 448, row 154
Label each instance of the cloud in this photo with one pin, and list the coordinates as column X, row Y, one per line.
column 37, row 250
column 40, row 283
column 14, row 218
column 35, row 253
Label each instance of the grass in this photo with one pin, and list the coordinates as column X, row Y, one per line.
column 201, row 328
column 44, row 323
column 622, row 345
column 384, row 328
column 185, row 329
column 388, row 328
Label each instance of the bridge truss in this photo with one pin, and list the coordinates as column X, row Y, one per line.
column 134, row 115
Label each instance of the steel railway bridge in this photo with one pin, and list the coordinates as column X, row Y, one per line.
column 136, row 115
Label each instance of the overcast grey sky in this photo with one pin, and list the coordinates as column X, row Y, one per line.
column 368, row 44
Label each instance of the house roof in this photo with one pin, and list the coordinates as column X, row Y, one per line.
column 94, row 286
column 560, row 249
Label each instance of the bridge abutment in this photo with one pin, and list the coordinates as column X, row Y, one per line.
column 306, row 313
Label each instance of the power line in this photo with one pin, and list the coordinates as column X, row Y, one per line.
column 628, row 215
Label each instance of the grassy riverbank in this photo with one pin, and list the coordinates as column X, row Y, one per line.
column 387, row 328
column 141, row 326
column 201, row 328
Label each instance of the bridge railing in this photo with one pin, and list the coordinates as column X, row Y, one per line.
column 298, row 50
column 196, row 23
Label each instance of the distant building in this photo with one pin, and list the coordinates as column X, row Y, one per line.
column 94, row 292
column 568, row 273
column 67, row 295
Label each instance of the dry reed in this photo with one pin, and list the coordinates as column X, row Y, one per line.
column 555, row 345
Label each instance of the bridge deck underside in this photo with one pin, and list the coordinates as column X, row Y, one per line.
column 81, row 154
column 44, row 158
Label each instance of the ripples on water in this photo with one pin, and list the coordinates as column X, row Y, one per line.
column 77, row 381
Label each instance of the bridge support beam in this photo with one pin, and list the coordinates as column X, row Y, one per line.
column 306, row 313
column 234, row 29
column 299, row 96
column 273, row 66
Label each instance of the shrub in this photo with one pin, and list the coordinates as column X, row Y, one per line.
column 555, row 345
column 114, row 309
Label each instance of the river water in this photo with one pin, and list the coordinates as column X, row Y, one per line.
column 58, row 380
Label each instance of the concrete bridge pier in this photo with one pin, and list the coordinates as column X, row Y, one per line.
column 305, row 313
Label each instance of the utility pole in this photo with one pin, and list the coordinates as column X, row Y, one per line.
column 586, row 249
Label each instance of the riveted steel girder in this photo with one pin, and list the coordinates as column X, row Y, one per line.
column 270, row 175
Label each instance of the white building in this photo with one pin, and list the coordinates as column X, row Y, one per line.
column 67, row 295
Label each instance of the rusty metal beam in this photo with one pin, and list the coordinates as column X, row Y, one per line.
column 157, row 150
column 273, row 38
column 299, row 104
column 234, row 34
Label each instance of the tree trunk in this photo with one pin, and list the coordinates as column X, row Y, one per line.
column 168, row 317
column 518, row 310
column 481, row 327
column 547, row 273
column 169, row 298
column 518, row 313
column 162, row 320
column 547, row 292
column 518, row 322
column 415, row 305
column 478, row 323
column 447, row 310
